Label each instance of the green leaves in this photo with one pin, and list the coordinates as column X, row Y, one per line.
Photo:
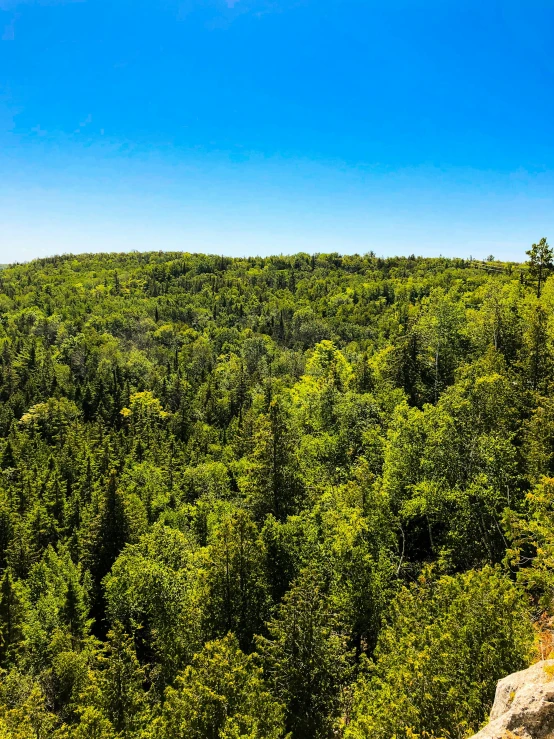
column 154, row 590
column 218, row 476
column 540, row 262
column 437, row 662
column 305, row 658
column 237, row 593
column 531, row 534
column 221, row 695
column 12, row 618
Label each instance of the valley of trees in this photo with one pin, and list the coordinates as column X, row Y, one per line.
column 303, row 497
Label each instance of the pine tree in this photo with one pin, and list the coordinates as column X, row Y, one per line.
column 273, row 485
column 221, row 694
column 8, row 457
column 541, row 262
column 74, row 610
column 12, row 613
column 305, row 658
column 238, row 599
column 121, row 680
column 108, row 533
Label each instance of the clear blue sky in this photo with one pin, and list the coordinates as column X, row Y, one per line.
column 268, row 126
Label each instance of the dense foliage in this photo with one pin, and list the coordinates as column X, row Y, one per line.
column 251, row 498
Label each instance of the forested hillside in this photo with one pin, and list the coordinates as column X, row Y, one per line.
column 307, row 496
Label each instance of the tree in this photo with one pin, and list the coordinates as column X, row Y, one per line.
column 539, row 441
column 8, row 460
column 440, row 330
column 221, row 695
column 305, row 659
column 12, row 616
column 540, row 262
column 531, row 535
column 438, row 661
column 108, row 533
column 153, row 590
column 120, row 683
column 28, row 717
column 237, row 590
column 536, row 359
column 93, row 724
column 74, row 610
column 356, row 551
column 272, row 484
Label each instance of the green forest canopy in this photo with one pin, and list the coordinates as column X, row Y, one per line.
column 305, row 496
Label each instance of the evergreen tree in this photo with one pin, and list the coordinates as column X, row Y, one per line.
column 238, row 598
column 74, row 610
column 120, row 683
column 272, row 484
column 110, row 531
column 540, row 262
column 305, row 658
column 221, row 694
column 12, row 618
column 431, row 675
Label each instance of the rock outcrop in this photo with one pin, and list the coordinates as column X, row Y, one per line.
column 524, row 705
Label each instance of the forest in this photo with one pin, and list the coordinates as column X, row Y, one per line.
column 300, row 497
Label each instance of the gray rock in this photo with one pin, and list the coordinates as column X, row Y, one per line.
column 523, row 705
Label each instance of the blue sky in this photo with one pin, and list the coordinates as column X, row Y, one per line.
column 269, row 126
